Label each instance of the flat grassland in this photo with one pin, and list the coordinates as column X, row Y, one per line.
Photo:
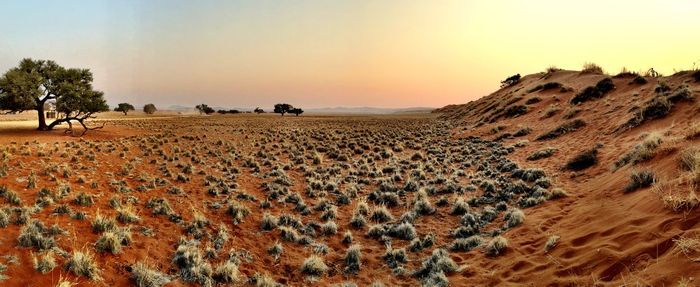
column 263, row 200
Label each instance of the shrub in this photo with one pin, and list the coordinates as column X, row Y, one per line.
column 144, row 276
column 127, row 215
column 515, row 111
column 269, row 222
column 552, row 242
column 640, row 179
column 381, row 214
column 522, row 132
column 44, row 263
column 102, row 224
column 696, row 75
column 594, row 92
column 459, row 207
column 109, row 242
column 497, row 246
column 533, row 100
column 193, row 267
column 514, row 217
column 583, row 160
column 358, row 220
column 329, row 228
column 353, row 259
column 237, row 212
column 395, row 257
column 641, row 152
column 690, row 159
column 565, row 128
column 543, row 153
column 276, row 250
column 439, row 262
column 639, row 80
column 466, row 244
column 81, row 263
column 35, row 235
column 404, row 231
column 510, row 81
column 228, row 273
column 591, row 68
column 557, row 193
column 314, row 266
column 84, row 199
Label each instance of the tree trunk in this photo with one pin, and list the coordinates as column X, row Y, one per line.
column 42, row 116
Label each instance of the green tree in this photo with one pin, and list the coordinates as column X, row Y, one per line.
column 149, row 109
column 124, row 108
column 33, row 83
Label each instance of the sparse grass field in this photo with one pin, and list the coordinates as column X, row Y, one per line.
column 218, row 200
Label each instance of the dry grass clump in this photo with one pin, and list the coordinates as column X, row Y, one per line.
column 433, row 269
column 543, row 153
column 44, row 263
column 640, row 179
column 514, row 217
column 102, row 223
column 466, row 244
column 81, row 263
column 497, row 246
column 227, row 273
column 144, row 276
column 688, row 246
column 193, row 267
column 641, row 152
column 314, row 266
column 591, row 68
column 353, row 259
column 552, row 242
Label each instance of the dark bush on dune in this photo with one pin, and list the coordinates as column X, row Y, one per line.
column 659, row 106
column 514, row 111
column 594, row 92
column 696, row 76
column 533, row 100
column 583, row 160
column 510, row 81
column 640, row 179
column 639, row 80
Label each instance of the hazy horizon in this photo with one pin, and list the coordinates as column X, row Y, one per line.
column 317, row 54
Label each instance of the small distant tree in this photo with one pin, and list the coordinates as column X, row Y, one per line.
column 149, row 109
column 283, row 108
column 296, row 111
column 205, row 109
column 124, row 108
column 258, row 110
column 512, row 80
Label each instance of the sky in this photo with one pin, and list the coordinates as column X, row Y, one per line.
column 328, row 53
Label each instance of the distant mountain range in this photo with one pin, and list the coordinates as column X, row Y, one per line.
column 334, row 110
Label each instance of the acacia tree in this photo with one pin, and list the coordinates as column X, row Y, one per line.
column 33, row 83
column 283, row 108
column 124, row 108
column 149, row 109
column 296, row 111
column 204, row 108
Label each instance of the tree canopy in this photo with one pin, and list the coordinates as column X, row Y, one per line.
column 296, row 111
column 33, row 83
column 283, row 108
column 124, row 108
column 204, row 108
column 149, row 109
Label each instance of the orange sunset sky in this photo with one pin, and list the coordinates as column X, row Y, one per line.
column 340, row 53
